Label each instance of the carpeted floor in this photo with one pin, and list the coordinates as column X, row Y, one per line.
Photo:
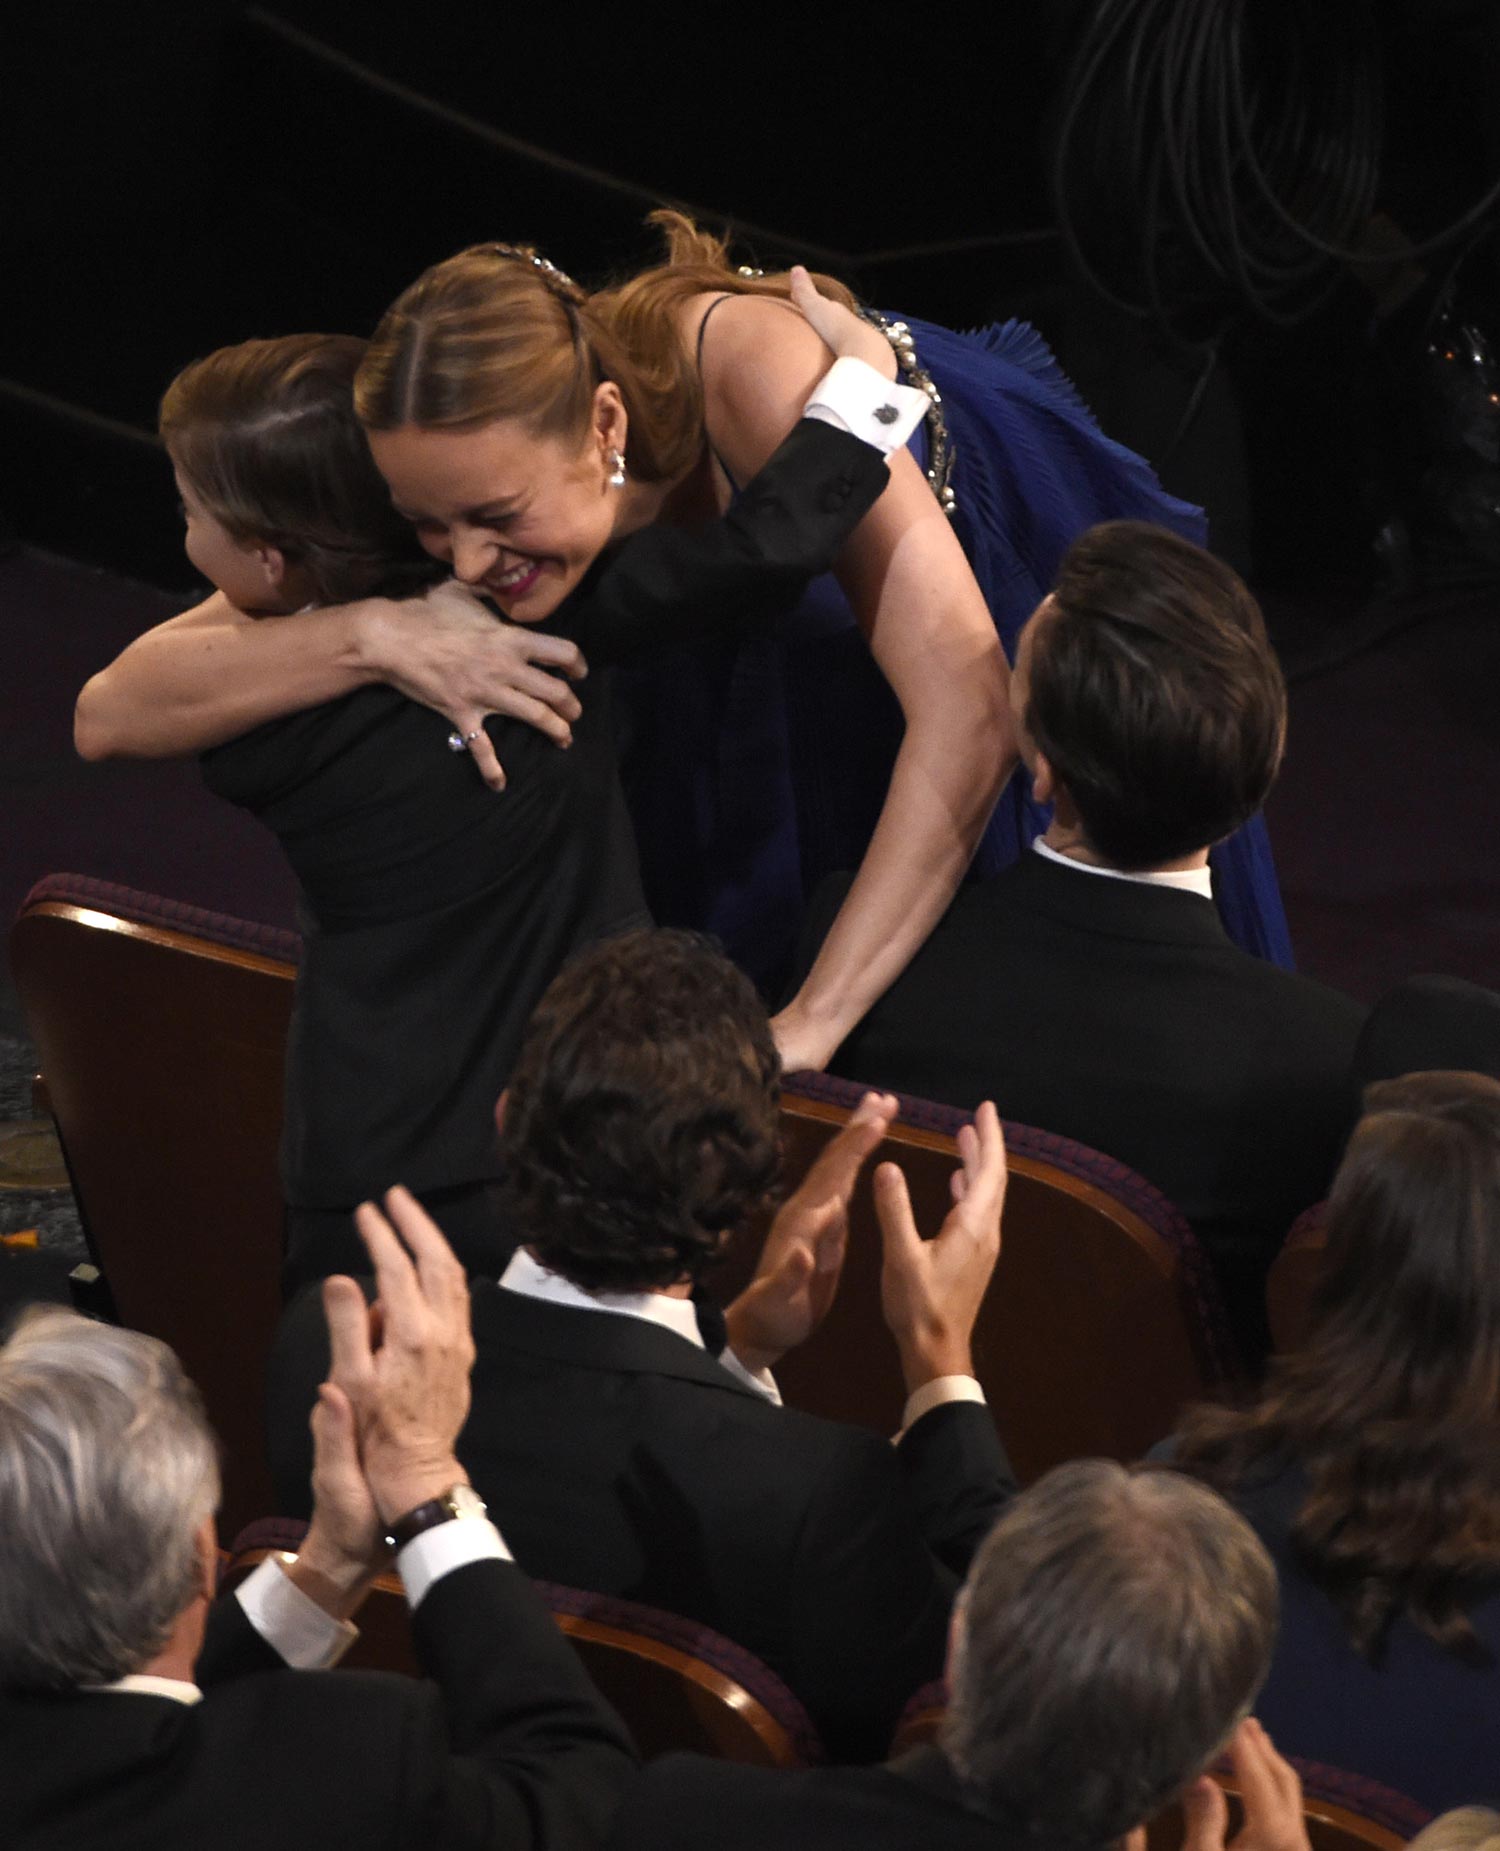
column 33, row 1195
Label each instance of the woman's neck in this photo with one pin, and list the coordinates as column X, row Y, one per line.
column 686, row 500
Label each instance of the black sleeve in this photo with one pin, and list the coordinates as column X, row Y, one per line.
column 232, row 1647
column 525, row 1753
column 958, row 1477
column 668, row 585
column 869, row 1601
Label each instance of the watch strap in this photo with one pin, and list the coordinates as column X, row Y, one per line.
column 449, row 1506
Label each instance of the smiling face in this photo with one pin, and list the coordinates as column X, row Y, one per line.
column 518, row 516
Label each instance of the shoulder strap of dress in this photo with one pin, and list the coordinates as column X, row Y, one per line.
column 728, row 296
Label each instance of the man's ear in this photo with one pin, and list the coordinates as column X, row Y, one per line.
column 1043, row 779
column 958, row 1628
column 206, row 1551
column 500, row 1109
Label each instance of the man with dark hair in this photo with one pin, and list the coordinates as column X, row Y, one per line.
column 641, row 1453
column 136, row 1711
column 1092, row 986
column 1114, row 1631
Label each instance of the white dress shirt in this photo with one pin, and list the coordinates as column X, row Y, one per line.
column 533, row 1280
column 298, row 1630
column 852, row 396
column 1186, row 880
column 143, row 1684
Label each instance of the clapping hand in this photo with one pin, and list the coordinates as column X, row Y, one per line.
column 803, row 1257
column 1272, row 1795
column 404, row 1365
column 345, row 1543
column 931, row 1290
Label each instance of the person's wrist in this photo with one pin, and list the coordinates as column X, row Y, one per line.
column 752, row 1345
column 331, row 1577
column 369, row 625
column 400, row 1485
column 808, row 1034
column 928, row 1357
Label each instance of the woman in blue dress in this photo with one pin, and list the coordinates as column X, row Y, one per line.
column 873, row 728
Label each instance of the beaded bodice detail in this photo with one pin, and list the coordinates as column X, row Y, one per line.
column 913, row 373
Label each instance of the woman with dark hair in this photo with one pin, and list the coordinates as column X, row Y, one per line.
column 1370, row 1462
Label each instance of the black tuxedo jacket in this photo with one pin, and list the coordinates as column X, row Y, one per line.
column 620, row 1458
column 510, row 1747
column 1122, row 1015
column 689, row 1803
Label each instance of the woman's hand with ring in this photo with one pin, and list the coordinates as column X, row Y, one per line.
column 450, row 652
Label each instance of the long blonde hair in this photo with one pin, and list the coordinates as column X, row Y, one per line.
column 496, row 332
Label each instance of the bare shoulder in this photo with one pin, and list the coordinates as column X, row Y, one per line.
column 760, row 361
column 215, row 612
column 754, row 341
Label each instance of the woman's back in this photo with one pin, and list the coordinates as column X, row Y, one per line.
column 435, row 912
column 1419, row 1720
column 1370, row 1461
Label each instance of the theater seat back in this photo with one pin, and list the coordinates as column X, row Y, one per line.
column 1101, row 1323
column 679, row 1686
column 161, row 1032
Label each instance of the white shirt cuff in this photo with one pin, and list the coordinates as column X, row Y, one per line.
column 937, row 1393
column 761, row 1380
column 853, row 397
column 445, row 1547
column 291, row 1622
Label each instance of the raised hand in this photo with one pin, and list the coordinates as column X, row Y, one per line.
column 931, row 1290
column 450, row 652
column 404, row 1366
column 345, row 1543
column 803, row 1257
column 1272, row 1793
column 839, row 328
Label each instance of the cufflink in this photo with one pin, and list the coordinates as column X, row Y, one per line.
column 887, row 414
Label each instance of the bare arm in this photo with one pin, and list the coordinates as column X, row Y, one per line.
column 214, row 673
column 931, row 633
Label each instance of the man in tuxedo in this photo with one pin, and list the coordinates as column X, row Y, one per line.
column 1092, row 987
column 135, row 1711
column 1114, row 1630
column 640, row 1453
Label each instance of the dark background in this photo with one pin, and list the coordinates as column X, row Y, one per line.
column 184, row 173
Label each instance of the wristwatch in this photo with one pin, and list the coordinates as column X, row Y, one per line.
column 457, row 1502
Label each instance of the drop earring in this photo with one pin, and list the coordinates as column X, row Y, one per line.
column 617, row 472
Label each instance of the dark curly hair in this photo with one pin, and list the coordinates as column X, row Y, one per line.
column 1392, row 1408
column 640, row 1124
